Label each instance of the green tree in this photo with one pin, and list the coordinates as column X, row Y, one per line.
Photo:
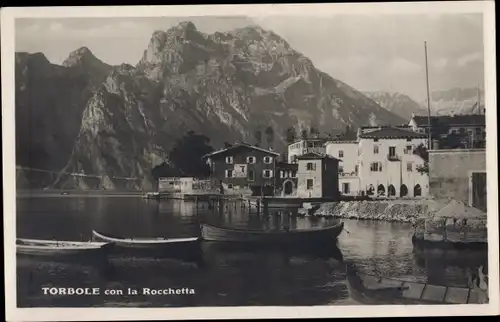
column 304, row 134
column 269, row 136
column 422, row 152
column 163, row 170
column 186, row 155
column 290, row 135
column 258, row 137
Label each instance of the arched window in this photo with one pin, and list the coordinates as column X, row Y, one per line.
column 417, row 191
column 381, row 190
column 391, row 191
column 371, row 190
column 404, row 191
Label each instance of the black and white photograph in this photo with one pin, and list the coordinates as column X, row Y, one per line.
column 338, row 158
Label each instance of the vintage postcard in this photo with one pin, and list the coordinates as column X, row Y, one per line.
column 250, row 161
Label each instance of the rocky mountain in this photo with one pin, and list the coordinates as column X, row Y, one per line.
column 457, row 101
column 397, row 103
column 50, row 100
column 224, row 85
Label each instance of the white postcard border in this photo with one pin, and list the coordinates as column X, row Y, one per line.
column 8, row 15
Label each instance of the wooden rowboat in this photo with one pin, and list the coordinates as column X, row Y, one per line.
column 159, row 242
column 305, row 236
column 59, row 248
column 371, row 289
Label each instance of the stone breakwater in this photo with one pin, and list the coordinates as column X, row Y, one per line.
column 409, row 211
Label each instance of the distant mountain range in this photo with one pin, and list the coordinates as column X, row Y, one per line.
column 111, row 121
column 447, row 102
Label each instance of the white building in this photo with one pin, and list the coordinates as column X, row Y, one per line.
column 346, row 149
column 305, row 146
column 388, row 166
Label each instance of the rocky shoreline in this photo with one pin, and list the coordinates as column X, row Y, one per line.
column 406, row 211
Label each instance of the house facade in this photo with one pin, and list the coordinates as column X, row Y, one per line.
column 453, row 131
column 243, row 167
column 317, row 176
column 286, row 179
column 388, row 166
column 346, row 150
column 304, row 146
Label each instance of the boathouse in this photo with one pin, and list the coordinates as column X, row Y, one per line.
column 317, row 176
column 244, row 169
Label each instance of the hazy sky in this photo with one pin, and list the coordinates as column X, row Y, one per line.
column 369, row 52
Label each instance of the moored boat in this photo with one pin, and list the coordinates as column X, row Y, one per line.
column 36, row 247
column 159, row 242
column 302, row 236
column 372, row 289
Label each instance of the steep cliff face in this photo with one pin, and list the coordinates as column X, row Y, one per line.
column 397, row 103
column 224, row 85
column 49, row 103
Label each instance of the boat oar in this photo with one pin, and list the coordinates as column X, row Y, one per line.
column 347, row 231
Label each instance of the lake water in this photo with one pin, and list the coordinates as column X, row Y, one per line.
column 226, row 278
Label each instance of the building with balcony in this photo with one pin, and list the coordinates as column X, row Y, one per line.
column 388, row 166
column 243, row 167
column 305, row 146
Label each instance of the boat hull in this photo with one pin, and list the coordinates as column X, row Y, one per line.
column 449, row 245
column 181, row 248
column 371, row 290
column 63, row 250
column 313, row 236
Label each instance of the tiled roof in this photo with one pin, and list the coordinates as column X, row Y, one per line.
column 448, row 120
column 392, row 133
column 239, row 145
column 348, row 137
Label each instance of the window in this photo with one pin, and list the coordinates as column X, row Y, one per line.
column 251, row 175
column 478, row 130
column 375, row 140
column 409, row 167
column 310, row 183
column 408, row 139
column 268, row 160
column 310, row 145
column 294, row 159
column 230, row 186
column 356, row 169
column 282, row 174
column 341, row 154
column 294, row 174
column 392, row 151
column 345, row 187
column 250, row 160
column 341, row 169
column 408, row 149
column 229, row 160
column 229, row 173
column 375, row 167
column 267, row 173
column 311, row 166
column 375, row 149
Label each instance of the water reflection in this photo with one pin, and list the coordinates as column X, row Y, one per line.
column 222, row 274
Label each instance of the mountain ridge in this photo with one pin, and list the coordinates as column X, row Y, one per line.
column 224, row 85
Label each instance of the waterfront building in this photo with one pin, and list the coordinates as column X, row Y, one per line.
column 346, row 149
column 459, row 174
column 317, row 176
column 452, row 131
column 304, row 146
column 388, row 166
column 243, row 167
column 286, row 179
